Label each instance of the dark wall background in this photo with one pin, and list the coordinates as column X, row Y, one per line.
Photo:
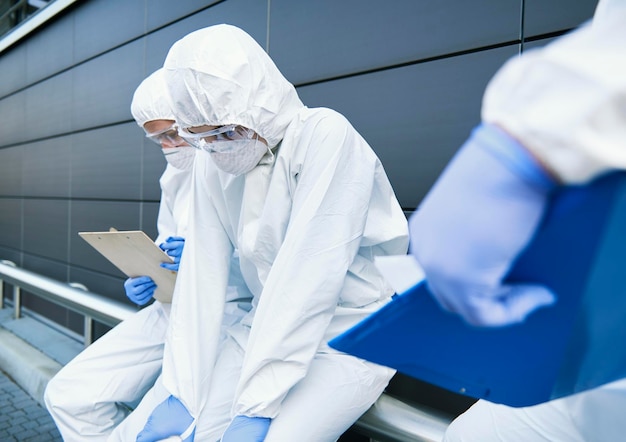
column 408, row 74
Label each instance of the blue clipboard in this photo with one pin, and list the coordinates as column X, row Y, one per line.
column 577, row 344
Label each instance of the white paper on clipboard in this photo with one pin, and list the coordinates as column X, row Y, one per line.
column 402, row 272
column 135, row 254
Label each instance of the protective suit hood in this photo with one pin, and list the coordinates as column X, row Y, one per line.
column 230, row 80
column 607, row 10
column 150, row 100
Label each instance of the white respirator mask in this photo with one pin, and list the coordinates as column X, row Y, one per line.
column 237, row 156
column 180, row 157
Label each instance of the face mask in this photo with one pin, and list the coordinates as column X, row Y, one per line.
column 180, row 157
column 238, row 156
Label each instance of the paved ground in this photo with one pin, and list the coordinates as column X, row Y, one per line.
column 22, row 419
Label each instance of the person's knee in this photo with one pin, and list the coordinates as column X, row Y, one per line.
column 58, row 394
column 52, row 395
column 455, row 431
column 476, row 424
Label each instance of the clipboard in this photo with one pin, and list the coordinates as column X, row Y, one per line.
column 579, row 252
column 135, row 254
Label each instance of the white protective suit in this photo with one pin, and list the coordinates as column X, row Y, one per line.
column 307, row 221
column 565, row 103
column 96, row 390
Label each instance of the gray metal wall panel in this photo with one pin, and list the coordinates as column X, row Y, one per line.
column 46, row 267
column 153, row 163
column 103, row 87
column 414, row 117
column 46, row 169
column 48, row 309
column 101, row 25
column 12, row 119
column 315, row 40
column 96, row 216
column 250, row 15
column 106, row 285
column 419, row 392
column 106, row 163
column 150, row 213
column 46, row 228
column 49, row 107
column 11, row 255
column 11, row 223
column 158, row 43
column 545, row 16
column 75, row 322
column 50, row 50
column 51, row 269
column 14, row 256
column 537, row 43
column 162, row 12
column 10, row 171
column 12, row 67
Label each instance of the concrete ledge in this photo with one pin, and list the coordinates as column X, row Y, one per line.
column 27, row 366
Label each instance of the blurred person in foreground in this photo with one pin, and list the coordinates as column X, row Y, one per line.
column 553, row 116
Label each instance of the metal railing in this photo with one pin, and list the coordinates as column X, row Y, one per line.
column 16, row 13
column 389, row 419
column 13, row 27
column 92, row 306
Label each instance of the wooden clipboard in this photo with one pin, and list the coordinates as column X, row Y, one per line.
column 135, row 254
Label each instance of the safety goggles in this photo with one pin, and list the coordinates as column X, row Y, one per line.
column 210, row 140
column 167, row 137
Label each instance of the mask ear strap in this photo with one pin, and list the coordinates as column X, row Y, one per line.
column 264, row 141
column 269, row 159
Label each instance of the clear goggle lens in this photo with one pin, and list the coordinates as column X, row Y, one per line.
column 210, row 140
column 168, row 137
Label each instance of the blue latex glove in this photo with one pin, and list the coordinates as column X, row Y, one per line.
column 173, row 246
column 247, row 429
column 478, row 217
column 169, row 418
column 140, row 289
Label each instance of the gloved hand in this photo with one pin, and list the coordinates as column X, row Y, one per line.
column 140, row 289
column 169, row 418
column 247, row 429
column 478, row 217
column 173, row 246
